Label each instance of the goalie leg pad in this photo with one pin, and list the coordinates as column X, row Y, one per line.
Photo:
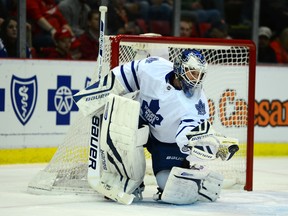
column 186, row 186
column 211, row 187
column 121, row 144
column 179, row 189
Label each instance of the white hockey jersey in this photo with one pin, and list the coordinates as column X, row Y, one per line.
column 168, row 111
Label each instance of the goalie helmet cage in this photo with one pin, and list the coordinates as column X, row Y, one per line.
column 229, row 87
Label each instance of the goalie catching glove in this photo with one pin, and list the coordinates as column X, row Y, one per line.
column 206, row 144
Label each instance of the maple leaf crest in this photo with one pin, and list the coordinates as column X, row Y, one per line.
column 200, row 107
column 149, row 112
column 151, row 59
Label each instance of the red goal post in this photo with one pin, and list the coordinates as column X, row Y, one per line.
column 229, row 86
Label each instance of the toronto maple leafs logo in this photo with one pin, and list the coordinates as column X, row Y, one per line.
column 200, row 108
column 149, row 112
column 151, row 59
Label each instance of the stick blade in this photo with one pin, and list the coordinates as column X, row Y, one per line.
column 113, row 193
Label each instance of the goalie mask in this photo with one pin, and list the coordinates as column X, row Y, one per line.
column 190, row 68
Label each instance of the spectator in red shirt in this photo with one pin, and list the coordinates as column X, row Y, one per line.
column 46, row 19
column 89, row 41
column 280, row 46
column 266, row 54
column 75, row 49
column 62, row 49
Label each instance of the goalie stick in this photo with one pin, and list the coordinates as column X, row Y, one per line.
column 94, row 168
column 85, row 99
column 94, row 151
column 114, row 193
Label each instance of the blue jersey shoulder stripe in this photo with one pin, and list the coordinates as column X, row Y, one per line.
column 134, row 75
column 125, row 79
column 184, row 128
column 186, row 120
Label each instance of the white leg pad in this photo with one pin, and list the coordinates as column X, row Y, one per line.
column 121, row 142
column 179, row 189
column 186, row 186
column 211, row 187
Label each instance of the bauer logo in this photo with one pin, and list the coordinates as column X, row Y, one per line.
column 94, row 142
column 97, row 90
column 200, row 152
column 60, row 100
column 187, row 174
column 23, row 97
column 174, row 158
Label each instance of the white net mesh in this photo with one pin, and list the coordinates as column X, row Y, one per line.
column 226, row 86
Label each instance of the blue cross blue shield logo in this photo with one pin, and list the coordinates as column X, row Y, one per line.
column 60, row 100
column 23, row 96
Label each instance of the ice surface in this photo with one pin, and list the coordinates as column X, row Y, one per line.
column 269, row 197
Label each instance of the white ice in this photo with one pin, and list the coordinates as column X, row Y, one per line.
column 269, row 197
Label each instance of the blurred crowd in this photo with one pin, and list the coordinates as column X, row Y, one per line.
column 69, row 29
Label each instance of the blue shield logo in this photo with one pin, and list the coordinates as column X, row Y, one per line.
column 23, row 97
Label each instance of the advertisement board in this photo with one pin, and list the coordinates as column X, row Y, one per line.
column 36, row 106
column 36, row 100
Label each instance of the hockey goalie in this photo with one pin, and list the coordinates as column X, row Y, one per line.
column 168, row 114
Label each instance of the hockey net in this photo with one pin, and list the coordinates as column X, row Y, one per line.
column 229, row 87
